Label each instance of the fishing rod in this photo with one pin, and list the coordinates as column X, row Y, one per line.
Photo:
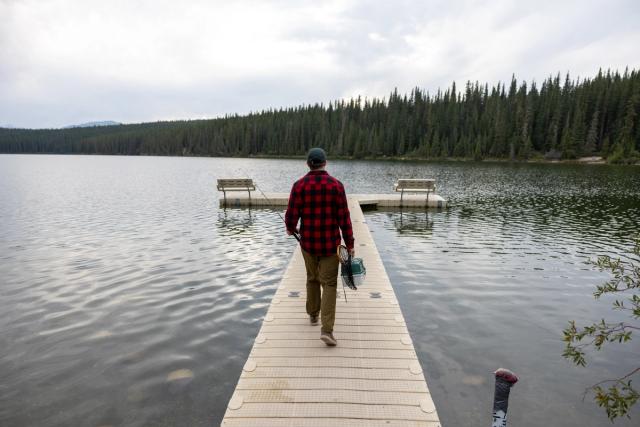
column 294, row 234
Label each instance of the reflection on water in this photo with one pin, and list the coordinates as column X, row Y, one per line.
column 128, row 298
column 411, row 221
column 234, row 221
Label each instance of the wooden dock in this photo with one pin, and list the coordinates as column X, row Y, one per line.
column 372, row 378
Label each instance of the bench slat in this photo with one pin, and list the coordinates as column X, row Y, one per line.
column 236, row 184
column 415, row 185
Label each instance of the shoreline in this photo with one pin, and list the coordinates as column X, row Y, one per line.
column 591, row 160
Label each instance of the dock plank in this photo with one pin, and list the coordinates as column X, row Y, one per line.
column 332, row 396
column 334, row 372
column 337, row 410
column 324, row 422
column 398, row 386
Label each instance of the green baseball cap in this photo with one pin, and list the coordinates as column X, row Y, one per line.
column 317, row 156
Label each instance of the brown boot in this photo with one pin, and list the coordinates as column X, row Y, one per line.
column 328, row 339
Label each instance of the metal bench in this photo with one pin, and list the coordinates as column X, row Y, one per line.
column 236, row 184
column 415, row 186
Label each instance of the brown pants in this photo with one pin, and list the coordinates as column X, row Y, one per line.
column 322, row 271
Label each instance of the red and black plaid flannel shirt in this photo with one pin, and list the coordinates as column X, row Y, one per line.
column 319, row 201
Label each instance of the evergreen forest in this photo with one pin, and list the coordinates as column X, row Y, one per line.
column 561, row 118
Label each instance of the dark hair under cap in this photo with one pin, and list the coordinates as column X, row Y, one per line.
column 316, row 156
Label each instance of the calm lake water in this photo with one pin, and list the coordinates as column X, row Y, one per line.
column 128, row 298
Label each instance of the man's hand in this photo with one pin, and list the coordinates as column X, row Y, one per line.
column 289, row 232
column 352, row 251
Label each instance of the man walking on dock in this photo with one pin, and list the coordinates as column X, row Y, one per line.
column 318, row 200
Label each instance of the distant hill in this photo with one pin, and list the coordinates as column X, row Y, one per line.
column 93, row 124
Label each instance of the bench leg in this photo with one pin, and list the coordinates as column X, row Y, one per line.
column 224, row 193
column 249, row 191
column 401, row 196
column 427, row 199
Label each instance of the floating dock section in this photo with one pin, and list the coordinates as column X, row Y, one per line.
column 372, row 378
column 242, row 199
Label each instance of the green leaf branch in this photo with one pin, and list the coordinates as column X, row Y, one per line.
column 617, row 396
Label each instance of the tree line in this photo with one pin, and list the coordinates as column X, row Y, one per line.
column 562, row 118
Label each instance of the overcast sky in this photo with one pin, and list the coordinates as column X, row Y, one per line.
column 65, row 62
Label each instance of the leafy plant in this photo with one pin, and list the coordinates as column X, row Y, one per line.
column 617, row 396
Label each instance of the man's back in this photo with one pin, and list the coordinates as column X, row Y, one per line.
column 319, row 201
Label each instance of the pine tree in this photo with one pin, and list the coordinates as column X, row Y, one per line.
column 578, row 131
column 567, row 141
column 592, row 136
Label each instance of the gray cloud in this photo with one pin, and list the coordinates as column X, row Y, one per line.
column 66, row 62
